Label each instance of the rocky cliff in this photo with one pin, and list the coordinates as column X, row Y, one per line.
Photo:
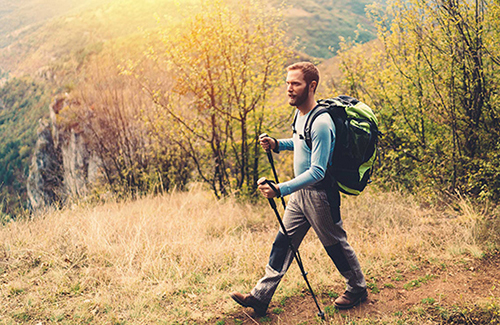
column 62, row 166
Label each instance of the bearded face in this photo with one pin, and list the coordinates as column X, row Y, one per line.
column 299, row 98
column 297, row 88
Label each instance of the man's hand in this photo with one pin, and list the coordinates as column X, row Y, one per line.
column 266, row 190
column 267, row 143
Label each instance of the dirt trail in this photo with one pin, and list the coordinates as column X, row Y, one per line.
column 464, row 283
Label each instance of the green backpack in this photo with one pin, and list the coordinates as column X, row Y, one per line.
column 355, row 144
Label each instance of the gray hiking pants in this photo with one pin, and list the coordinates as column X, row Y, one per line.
column 319, row 209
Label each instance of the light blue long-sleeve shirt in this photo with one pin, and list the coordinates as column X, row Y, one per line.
column 309, row 164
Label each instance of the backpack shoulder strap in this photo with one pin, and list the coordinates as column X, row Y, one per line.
column 317, row 111
column 294, row 130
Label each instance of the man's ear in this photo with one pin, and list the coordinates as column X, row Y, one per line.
column 313, row 85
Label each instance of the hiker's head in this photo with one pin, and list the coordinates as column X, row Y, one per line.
column 302, row 81
column 309, row 72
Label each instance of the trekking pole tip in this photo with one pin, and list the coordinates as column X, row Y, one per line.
column 321, row 314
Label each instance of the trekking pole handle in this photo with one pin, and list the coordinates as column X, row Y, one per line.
column 264, row 180
column 269, row 150
column 263, row 135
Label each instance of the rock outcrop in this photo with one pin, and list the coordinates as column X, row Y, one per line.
column 62, row 165
column 45, row 177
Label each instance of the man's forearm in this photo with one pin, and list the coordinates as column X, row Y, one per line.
column 285, row 144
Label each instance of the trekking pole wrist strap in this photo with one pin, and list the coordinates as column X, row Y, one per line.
column 276, row 145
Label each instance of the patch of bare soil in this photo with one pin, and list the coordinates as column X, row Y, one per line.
column 464, row 283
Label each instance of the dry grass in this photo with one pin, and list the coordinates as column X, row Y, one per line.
column 174, row 258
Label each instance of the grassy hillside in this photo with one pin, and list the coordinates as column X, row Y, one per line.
column 173, row 259
column 34, row 35
column 318, row 24
column 21, row 17
column 66, row 37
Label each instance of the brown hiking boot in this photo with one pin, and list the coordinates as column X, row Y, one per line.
column 349, row 299
column 248, row 300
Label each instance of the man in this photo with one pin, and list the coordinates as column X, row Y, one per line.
column 313, row 203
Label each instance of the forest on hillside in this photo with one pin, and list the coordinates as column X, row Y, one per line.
column 186, row 100
column 23, row 102
column 60, row 46
column 435, row 83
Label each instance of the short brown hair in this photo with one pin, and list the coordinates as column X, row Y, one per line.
column 309, row 70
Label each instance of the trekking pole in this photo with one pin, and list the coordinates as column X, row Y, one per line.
column 271, row 161
column 295, row 252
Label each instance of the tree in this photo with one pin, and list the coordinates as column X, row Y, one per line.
column 222, row 62
column 110, row 111
column 435, row 82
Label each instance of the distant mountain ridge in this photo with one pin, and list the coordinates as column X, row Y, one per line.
column 318, row 24
column 34, row 34
column 25, row 16
column 67, row 32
